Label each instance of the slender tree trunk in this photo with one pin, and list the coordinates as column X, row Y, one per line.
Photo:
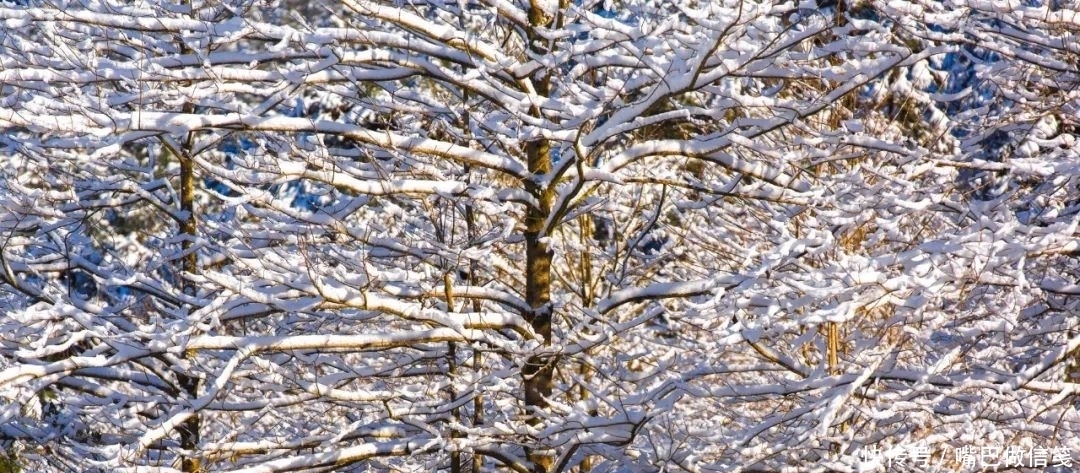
column 451, row 355
column 585, row 372
column 189, row 429
column 832, row 338
column 478, row 356
column 478, row 409
column 539, row 370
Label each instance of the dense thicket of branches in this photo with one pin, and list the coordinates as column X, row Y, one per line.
column 534, row 235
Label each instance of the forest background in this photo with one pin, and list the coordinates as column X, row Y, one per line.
column 535, row 235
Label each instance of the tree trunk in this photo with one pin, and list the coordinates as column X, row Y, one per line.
column 538, row 373
column 189, row 429
column 451, row 360
column 539, row 369
column 478, row 356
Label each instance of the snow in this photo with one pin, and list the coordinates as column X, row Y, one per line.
column 730, row 184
